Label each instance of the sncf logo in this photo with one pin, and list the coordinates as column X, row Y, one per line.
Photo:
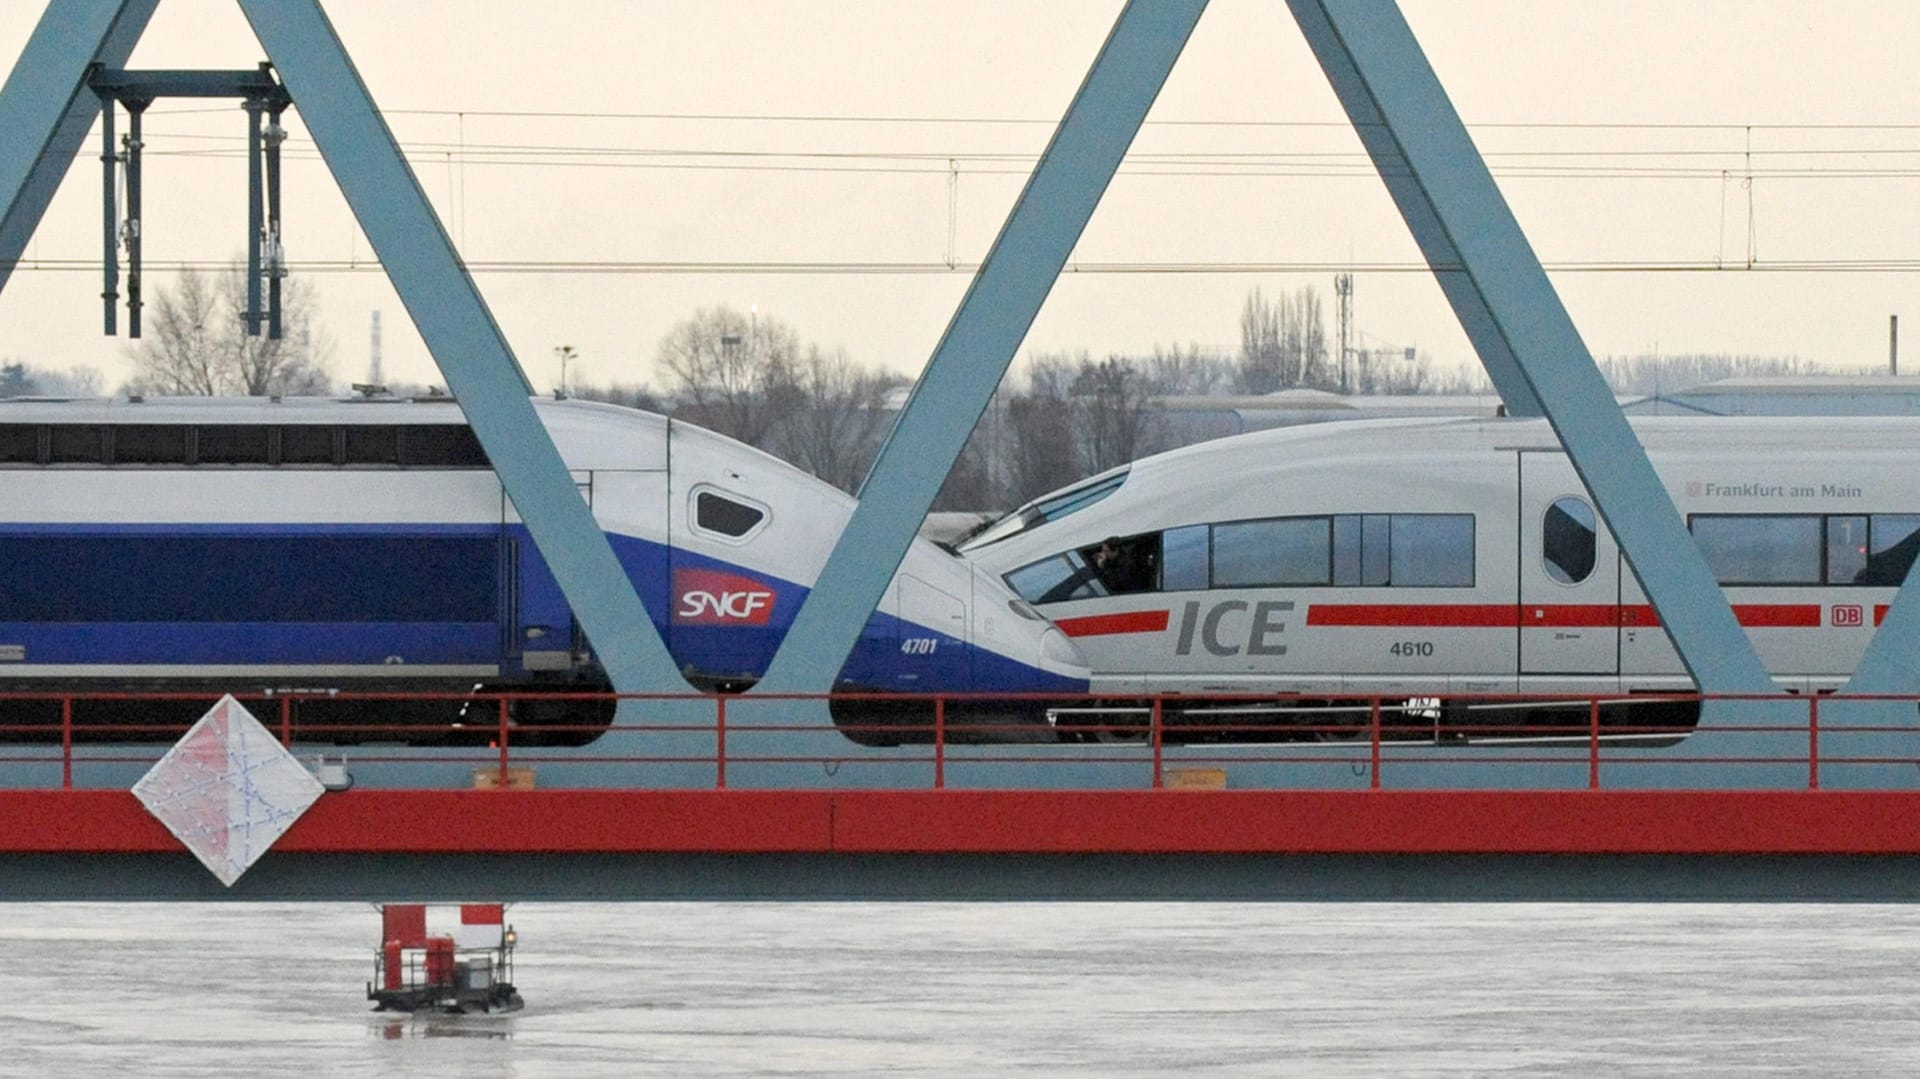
column 704, row 597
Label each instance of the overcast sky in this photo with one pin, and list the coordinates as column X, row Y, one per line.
column 895, row 136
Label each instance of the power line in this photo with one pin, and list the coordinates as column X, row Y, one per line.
column 856, row 268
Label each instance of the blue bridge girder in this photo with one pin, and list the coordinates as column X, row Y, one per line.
column 979, row 344
column 1449, row 198
column 46, row 108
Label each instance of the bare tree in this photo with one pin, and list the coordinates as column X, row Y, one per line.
column 730, row 372
column 16, row 380
column 1192, row 371
column 197, row 345
column 1665, row 373
column 1260, row 345
column 840, row 417
column 1113, row 408
column 1283, row 343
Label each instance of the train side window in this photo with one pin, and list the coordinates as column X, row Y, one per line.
column 1896, row 538
column 307, row 444
column 71, row 444
column 441, row 445
column 1360, row 549
column 368, row 445
column 1846, row 549
column 1431, row 550
column 149, row 444
column 723, row 516
column 1282, row 551
column 1569, row 540
column 1760, row 549
column 19, row 444
column 231, row 444
column 1376, row 533
column 1183, row 558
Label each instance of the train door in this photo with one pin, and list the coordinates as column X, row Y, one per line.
column 1569, row 575
column 539, row 622
column 623, row 503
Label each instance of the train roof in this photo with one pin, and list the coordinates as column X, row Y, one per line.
column 1421, row 435
column 379, row 409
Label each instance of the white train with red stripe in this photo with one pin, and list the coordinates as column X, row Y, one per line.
column 1432, row 561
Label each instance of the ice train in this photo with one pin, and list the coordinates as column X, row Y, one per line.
column 1431, row 561
column 366, row 544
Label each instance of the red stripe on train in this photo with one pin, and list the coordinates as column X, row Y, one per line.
column 1506, row 615
column 1493, row 615
column 1100, row 625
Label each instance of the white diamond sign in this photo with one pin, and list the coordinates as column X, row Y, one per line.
column 227, row 790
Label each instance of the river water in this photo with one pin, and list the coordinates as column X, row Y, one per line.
column 1146, row 989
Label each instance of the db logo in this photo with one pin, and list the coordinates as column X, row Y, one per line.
column 1849, row 614
column 704, row 597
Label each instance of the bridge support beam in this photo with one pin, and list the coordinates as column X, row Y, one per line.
column 1512, row 312
column 972, row 356
column 46, row 108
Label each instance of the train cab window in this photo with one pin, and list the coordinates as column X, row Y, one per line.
column 231, row 444
column 1057, row 579
column 73, row 444
column 1184, row 565
column 1125, row 565
column 1896, row 539
column 149, row 444
column 723, row 516
column 440, row 445
column 1283, row 551
column 1568, row 540
column 367, row 445
column 19, row 444
column 1760, row 549
column 1846, row 549
column 307, row 445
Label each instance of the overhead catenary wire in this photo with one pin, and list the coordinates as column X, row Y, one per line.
column 1738, row 159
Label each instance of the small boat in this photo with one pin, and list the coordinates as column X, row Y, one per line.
column 452, row 968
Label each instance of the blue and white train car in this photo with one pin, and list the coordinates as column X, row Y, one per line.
column 366, row 544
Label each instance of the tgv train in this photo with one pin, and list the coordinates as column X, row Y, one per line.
column 366, row 544
column 1428, row 561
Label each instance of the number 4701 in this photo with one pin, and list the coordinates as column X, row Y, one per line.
column 919, row 646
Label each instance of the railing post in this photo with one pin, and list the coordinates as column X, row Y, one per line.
column 720, row 742
column 1374, row 709
column 1159, row 744
column 939, row 743
column 1593, row 743
column 505, row 776
column 286, row 721
column 66, row 743
column 1813, row 741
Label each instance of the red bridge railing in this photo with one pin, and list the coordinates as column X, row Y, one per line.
column 1175, row 735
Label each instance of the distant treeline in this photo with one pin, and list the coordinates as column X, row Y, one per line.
column 1056, row 418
